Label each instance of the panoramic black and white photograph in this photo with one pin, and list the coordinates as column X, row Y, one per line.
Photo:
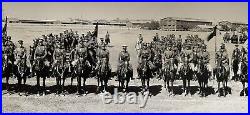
column 175, row 57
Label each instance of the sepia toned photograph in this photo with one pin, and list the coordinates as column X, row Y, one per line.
column 77, row 57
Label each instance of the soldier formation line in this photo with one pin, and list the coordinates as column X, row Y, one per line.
column 170, row 58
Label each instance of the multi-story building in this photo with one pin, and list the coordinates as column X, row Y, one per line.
column 181, row 24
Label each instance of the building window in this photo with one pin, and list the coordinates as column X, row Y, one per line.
column 169, row 25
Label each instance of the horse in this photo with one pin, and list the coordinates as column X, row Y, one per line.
column 21, row 70
column 81, row 71
column 144, row 73
column 124, row 75
column 186, row 73
column 104, row 73
column 7, row 70
column 41, row 69
column 243, row 73
column 157, row 61
column 202, row 76
column 58, row 72
column 169, row 72
column 222, row 76
column 235, row 67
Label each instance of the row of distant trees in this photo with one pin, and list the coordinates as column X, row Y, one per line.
column 153, row 25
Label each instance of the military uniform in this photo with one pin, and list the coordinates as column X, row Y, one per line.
column 58, row 57
column 145, row 55
column 222, row 58
column 40, row 53
column 103, row 56
column 20, row 55
column 124, row 57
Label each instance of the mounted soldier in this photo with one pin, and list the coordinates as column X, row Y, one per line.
column 222, row 68
column 103, row 67
column 58, row 64
column 169, row 68
column 236, row 57
column 40, row 65
column 124, row 68
column 21, row 69
column 81, row 64
column 138, row 45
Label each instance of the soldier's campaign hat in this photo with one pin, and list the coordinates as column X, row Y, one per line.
column 236, row 45
column 124, row 46
column 101, row 38
column 20, row 41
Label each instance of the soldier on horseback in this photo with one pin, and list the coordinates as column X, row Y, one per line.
column 222, row 68
column 39, row 66
column 124, row 68
column 103, row 67
column 21, row 68
column 236, row 57
column 138, row 45
column 58, row 64
column 124, row 57
column 81, row 63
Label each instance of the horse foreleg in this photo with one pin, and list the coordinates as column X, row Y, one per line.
column 44, row 89
column 148, row 84
column 224, row 88
column 189, row 87
column 172, row 86
column 84, row 85
column 38, row 84
column 184, row 86
column 218, row 89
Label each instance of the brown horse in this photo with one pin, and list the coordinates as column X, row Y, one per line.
column 124, row 75
column 104, row 73
column 169, row 73
column 243, row 76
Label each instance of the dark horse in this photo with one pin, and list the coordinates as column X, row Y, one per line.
column 145, row 73
column 222, row 76
column 7, row 70
column 41, row 69
column 104, row 73
column 58, row 71
column 235, row 68
column 202, row 76
column 124, row 75
column 186, row 74
column 82, row 70
column 243, row 76
column 21, row 71
column 169, row 72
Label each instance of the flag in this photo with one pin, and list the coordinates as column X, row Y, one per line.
column 211, row 35
column 5, row 27
column 95, row 33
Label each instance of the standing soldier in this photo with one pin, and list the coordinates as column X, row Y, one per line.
column 124, row 57
column 107, row 38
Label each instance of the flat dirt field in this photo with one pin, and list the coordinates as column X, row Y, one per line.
column 159, row 101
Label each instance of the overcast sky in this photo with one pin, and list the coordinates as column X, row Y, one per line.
column 63, row 11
